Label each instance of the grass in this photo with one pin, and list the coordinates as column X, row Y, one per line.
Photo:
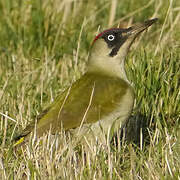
column 44, row 46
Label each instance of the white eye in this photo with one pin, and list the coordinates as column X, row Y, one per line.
column 111, row 37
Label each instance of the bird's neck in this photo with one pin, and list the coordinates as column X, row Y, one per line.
column 110, row 67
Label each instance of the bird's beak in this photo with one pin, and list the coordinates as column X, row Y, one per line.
column 138, row 28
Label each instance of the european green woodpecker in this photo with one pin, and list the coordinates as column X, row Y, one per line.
column 102, row 99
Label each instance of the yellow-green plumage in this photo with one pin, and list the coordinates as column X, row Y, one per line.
column 69, row 109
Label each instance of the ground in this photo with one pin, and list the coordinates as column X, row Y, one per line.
column 44, row 47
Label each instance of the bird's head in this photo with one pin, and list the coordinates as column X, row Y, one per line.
column 112, row 45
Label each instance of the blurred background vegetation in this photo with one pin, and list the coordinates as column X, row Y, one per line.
column 44, row 46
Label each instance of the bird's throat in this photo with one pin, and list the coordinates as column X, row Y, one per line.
column 109, row 66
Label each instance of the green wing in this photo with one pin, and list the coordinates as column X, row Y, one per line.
column 90, row 98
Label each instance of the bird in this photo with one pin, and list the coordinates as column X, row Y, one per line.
column 102, row 99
